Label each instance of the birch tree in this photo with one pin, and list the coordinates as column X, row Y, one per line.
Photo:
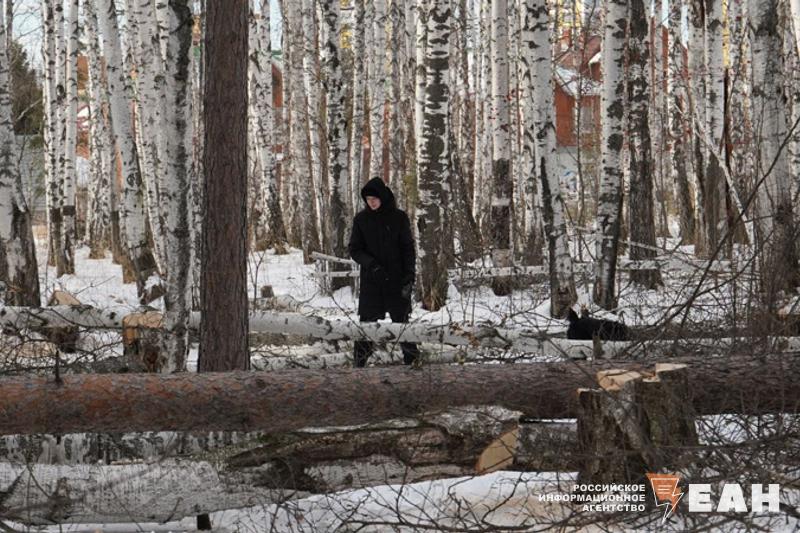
column 337, row 131
column 18, row 268
column 66, row 259
column 51, row 132
column 102, row 167
column 776, row 229
column 678, row 112
column 261, row 67
column 376, row 80
column 641, row 209
column 502, row 191
column 132, row 211
column 358, row 84
column 562, row 279
column 712, row 189
column 433, row 159
column 533, row 209
column 176, row 191
column 609, row 205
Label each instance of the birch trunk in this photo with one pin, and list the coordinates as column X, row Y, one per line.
column 176, row 190
column 678, row 112
column 357, row 129
column 609, row 206
column 713, row 189
column 51, row 131
column 132, row 212
column 376, row 78
column 777, row 237
column 66, row 260
column 641, row 209
column 150, row 109
column 696, row 65
column 502, row 187
column 102, row 167
column 534, row 232
column 337, row 133
column 562, row 280
column 433, row 158
column 261, row 63
column 18, row 268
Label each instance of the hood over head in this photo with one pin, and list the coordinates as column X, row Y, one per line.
column 376, row 187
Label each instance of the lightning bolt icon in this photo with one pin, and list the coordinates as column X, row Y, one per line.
column 666, row 491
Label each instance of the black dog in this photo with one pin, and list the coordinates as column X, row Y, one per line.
column 585, row 328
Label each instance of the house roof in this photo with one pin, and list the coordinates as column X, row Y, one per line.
column 574, row 84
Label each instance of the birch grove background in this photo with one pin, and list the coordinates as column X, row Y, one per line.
column 178, row 180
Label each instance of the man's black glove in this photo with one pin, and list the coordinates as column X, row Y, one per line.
column 377, row 272
column 406, row 290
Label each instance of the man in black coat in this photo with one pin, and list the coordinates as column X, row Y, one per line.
column 382, row 243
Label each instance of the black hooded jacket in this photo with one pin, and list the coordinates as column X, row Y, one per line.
column 383, row 236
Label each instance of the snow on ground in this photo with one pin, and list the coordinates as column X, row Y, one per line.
column 500, row 500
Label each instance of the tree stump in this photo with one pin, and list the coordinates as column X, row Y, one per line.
column 141, row 340
column 637, row 422
column 66, row 338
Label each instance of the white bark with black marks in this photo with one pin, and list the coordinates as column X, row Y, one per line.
column 18, row 268
column 562, row 279
column 132, row 212
column 433, row 157
column 609, row 205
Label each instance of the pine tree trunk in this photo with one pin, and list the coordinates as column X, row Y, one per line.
column 433, row 159
column 641, row 209
column 223, row 333
column 562, row 280
column 132, row 212
column 18, row 268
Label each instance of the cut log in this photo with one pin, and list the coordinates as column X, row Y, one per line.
column 65, row 337
column 637, row 422
column 286, row 400
column 461, row 442
column 158, row 492
column 142, row 339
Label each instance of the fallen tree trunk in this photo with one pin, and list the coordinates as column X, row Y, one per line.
column 462, row 442
column 158, row 492
column 532, row 343
column 286, row 400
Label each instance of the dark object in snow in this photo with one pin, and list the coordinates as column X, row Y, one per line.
column 586, row 327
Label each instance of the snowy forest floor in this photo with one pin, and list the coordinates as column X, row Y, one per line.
column 501, row 501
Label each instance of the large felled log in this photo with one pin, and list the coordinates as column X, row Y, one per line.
column 458, row 442
column 533, row 343
column 158, row 492
column 290, row 399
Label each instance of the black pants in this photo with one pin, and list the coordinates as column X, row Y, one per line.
column 363, row 349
